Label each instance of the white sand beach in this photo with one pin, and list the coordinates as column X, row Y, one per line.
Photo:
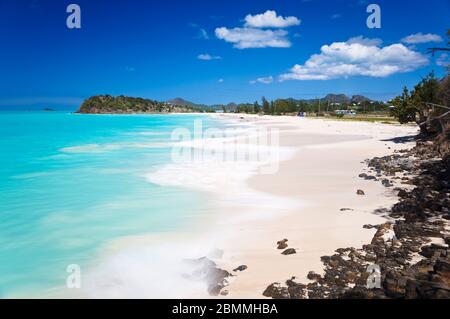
column 300, row 200
column 323, row 174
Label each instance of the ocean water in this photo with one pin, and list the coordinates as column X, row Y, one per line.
column 70, row 183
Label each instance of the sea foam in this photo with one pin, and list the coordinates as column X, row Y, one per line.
column 219, row 167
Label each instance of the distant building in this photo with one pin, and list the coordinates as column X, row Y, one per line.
column 345, row 112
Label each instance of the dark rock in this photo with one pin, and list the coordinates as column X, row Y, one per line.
column 360, row 192
column 313, row 276
column 295, row 290
column 276, row 291
column 282, row 244
column 433, row 250
column 386, row 183
column 289, row 251
column 204, row 269
column 366, row 177
column 402, row 193
column 240, row 268
column 216, row 279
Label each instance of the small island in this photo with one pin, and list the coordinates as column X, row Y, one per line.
column 107, row 104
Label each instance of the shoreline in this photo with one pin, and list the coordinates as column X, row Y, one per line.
column 246, row 223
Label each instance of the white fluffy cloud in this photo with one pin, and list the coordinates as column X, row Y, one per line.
column 356, row 57
column 244, row 38
column 421, row 38
column 270, row 19
column 208, row 57
column 259, row 31
column 263, row 80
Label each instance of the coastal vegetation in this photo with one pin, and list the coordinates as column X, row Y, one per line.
column 428, row 105
column 107, row 104
column 327, row 105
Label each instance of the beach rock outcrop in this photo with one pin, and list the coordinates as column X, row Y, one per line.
column 204, row 269
column 277, row 291
column 288, row 290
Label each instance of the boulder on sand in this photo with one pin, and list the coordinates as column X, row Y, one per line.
column 282, row 244
column 289, row 251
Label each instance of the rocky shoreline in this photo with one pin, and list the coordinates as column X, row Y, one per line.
column 409, row 255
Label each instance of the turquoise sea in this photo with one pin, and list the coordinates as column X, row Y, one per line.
column 71, row 183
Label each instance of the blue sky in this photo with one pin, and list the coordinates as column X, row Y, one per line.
column 214, row 51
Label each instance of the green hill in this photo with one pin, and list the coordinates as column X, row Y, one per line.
column 107, row 104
